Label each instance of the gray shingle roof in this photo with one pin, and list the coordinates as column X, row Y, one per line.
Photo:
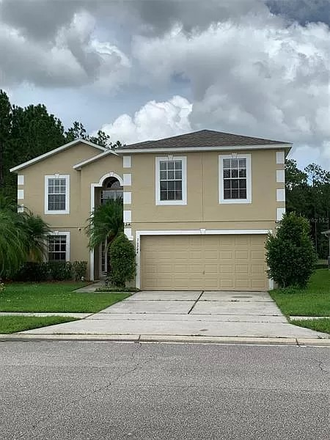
column 203, row 138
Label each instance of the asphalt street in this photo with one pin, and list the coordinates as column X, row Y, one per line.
column 105, row 390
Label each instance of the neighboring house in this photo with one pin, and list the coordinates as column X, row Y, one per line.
column 198, row 207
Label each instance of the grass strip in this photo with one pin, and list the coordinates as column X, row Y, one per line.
column 12, row 324
column 312, row 301
column 55, row 297
column 320, row 325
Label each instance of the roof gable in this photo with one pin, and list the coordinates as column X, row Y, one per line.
column 55, row 151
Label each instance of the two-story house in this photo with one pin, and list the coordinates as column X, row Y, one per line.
column 198, row 207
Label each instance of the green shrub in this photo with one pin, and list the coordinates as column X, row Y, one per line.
column 122, row 261
column 79, row 269
column 60, row 270
column 51, row 271
column 290, row 253
column 32, row 271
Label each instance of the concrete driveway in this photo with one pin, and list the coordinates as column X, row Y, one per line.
column 188, row 313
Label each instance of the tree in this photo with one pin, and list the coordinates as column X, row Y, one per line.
column 12, row 241
column 308, row 194
column 78, row 131
column 22, row 237
column 105, row 223
column 122, row 257
column 290, row 253
column 36, row 230
column 24, row 134
column 5, row 126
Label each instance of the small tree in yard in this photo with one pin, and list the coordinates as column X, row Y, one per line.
column 290, row 253
column 122, row 257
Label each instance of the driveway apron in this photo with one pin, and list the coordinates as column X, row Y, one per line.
column 188, row 313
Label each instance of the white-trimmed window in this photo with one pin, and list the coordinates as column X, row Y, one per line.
column 171, row 180
column 59, row 246
column 57, row 188
column 235, row 178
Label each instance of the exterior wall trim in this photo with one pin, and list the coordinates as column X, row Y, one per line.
column 119, row 152
column 199, row 149
column 93, row 186
column 139, row 234
column 79, row 165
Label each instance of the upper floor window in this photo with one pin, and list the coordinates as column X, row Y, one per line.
column 235, row 178
column 57, row 194
column 171, row 180
column 111, row 190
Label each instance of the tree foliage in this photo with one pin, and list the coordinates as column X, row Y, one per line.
column 290, row 253
column 78, row 131
column 308, row 194
column 122, row 257
column 28, row 132
column 105, row 223
column 22, row 237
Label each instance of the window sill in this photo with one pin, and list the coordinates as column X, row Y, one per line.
column 57, row 212
column 171, row 203
column 235, row 202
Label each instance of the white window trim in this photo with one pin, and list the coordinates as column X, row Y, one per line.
column 248, row 199
column 184, row 181
column 67, row 193
column 68, row 244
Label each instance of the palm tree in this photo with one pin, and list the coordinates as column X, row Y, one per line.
column 12, row 244
column 36, row 231
column 105, row 223
column 22, row 237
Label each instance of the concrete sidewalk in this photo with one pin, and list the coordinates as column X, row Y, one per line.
column 186, row 314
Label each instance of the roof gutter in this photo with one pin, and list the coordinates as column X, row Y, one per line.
column 199, row 149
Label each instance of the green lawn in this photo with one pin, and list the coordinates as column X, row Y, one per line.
column 54, row 297
column 320, row 325
column 12, row 324
column 312, row 301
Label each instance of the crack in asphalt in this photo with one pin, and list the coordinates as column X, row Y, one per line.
column 320, row 365
column 85, row 396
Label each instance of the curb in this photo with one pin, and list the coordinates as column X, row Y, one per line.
column 20, row 337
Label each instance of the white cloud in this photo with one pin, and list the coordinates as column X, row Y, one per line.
column 154, row 120
column 74, row 58
column 265, row 80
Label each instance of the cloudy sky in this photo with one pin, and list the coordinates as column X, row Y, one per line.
column 146, row 69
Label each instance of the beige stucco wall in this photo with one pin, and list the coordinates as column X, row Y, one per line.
column 203, row 209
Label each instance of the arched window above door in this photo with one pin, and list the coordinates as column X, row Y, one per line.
column 111, row 190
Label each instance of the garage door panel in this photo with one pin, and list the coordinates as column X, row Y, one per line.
column 212, row 262
column 226, row 269
column 242, row 268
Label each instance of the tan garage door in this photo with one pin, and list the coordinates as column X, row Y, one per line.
column 207, row 262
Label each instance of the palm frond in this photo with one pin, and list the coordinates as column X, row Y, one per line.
column 105, row 223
